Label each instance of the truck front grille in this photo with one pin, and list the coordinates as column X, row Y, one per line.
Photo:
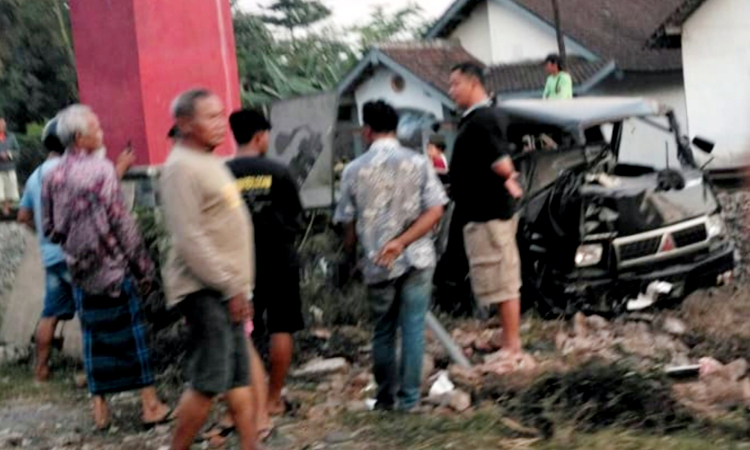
column 690, row 236
column 665, row 243
column 640, row 249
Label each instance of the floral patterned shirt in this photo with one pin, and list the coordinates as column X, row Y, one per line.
column 385, row 191
column 83, row 210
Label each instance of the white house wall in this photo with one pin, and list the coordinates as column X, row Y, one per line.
column 413, row 96
column 643, row 144
column 716, row 58
column 501, row 32
column 474, row 34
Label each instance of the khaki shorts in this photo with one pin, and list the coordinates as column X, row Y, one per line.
column 495, row 264
column 8, row 186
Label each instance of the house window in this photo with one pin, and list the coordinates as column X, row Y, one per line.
column 398, row 83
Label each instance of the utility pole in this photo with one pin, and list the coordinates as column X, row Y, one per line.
column 560, row 35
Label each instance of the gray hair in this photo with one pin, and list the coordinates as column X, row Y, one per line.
column 183, row 107
column 72, row 122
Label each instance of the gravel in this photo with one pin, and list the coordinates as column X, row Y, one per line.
column 12, row 248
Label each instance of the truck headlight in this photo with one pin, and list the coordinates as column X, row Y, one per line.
column 589, row 255
column 715, row 226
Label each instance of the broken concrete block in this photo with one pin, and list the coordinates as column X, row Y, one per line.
column 321, row 367
column 597, row 323
column 459, row 400
column 675, row 326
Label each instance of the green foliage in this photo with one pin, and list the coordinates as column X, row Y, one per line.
column 315, row 60
column 294, row 14
column 32, row 152
column 37, row 73
column 405, row 23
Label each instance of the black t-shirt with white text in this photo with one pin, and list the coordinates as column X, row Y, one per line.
column 273, row 199
column 479, row 192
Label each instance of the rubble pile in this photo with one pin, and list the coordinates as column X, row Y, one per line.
column 645, row 343
column 736, row 206
column 719, row 388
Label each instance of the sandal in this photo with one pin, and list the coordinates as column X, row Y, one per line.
column 266, row 433
column 216, row 430
column 168, row 418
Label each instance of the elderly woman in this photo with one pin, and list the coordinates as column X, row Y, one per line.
column 83, row 211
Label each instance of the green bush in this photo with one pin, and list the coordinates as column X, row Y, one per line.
column 32, row 153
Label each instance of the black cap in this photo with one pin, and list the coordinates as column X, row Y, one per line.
column 50, row 139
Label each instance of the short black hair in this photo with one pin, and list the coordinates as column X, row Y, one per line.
column 380, row 117
column 247, row 123
column 471, row 69
column 555, row 59
column 438, row 141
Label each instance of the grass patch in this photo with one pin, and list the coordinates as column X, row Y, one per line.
column 420, row 432
column 485, row 430
column 17, row 384
column 631, row 440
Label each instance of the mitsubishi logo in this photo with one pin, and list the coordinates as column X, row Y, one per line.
column 667, row 244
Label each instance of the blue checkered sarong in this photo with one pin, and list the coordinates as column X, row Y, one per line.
column 115, row 350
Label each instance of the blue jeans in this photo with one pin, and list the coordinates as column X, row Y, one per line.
column 400, row 303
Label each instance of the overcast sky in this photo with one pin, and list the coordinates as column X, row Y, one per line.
column 350, row 12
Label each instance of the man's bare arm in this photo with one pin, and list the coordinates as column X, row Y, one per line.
column 26, row 217
column 504, row 168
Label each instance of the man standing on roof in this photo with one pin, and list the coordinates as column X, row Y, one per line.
column 485, row 187
column 559, row 82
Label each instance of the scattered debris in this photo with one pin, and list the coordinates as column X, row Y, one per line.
column 674, row 326
column 459, row 400
column 441, row 386
column 321, row 367
column 654, row 292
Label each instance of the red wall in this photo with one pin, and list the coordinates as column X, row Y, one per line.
column 134, row 56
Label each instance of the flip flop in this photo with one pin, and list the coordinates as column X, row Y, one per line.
column 168, row 418
column 224, row 431
column 266, row 433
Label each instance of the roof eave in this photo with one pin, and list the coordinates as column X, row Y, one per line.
column 377, row 57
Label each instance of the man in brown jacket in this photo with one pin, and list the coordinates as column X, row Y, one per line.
column 209, row 275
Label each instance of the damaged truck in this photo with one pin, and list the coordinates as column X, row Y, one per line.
column 604, row 236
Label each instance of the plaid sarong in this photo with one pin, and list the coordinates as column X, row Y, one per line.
column 115, row 350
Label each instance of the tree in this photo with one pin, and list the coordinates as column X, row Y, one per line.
column 295, row 14
column 38, row 75
column 404, row 23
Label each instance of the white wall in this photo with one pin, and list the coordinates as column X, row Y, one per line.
column 474, row 34
column 414, row 96
column 642, row 143
column 501, row 32
column 517, row 36
column 716, row 58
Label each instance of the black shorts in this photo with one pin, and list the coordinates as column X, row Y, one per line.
column 278, row 306
column 218, row 360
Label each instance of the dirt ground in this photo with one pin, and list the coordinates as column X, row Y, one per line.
column 585, row 371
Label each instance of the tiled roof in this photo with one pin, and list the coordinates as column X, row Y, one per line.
column 531, row 76
column 612, row 29
column 430, row 61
